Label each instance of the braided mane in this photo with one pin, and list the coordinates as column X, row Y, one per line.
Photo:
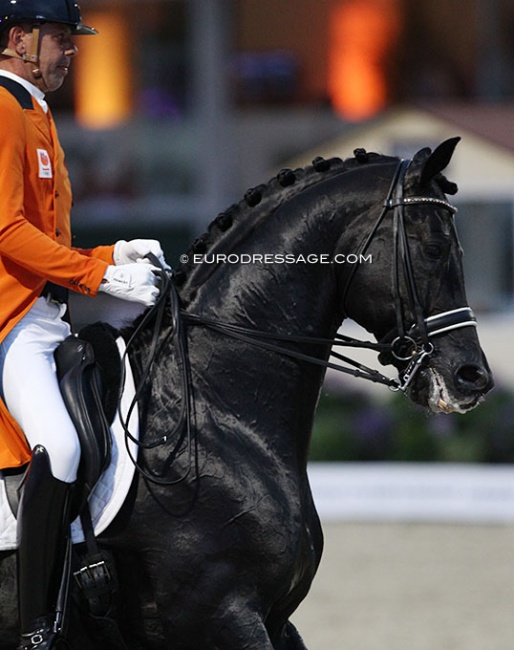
column 240, row 219
column 234, row 223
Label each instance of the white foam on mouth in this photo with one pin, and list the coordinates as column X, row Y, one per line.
column 440, row 400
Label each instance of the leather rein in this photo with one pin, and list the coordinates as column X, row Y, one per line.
column 409, row 343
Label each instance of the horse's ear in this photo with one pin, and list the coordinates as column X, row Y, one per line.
column 438, row 160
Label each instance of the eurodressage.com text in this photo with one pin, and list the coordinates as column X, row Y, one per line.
column 278, row 258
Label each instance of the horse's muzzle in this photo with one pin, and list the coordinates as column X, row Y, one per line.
column 445, row 391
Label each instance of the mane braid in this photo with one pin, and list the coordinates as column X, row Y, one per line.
column 239, row 219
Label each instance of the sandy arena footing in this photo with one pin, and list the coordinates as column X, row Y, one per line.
column 412, row 587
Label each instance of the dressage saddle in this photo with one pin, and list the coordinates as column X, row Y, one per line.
column 89, row 374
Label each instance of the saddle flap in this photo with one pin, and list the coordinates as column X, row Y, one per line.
column 81, row 388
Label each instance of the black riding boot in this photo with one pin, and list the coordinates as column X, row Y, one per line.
column 43, row 534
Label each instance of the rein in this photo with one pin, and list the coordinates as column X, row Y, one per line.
column 261, row 339
column 408, row 343
column 183, row 428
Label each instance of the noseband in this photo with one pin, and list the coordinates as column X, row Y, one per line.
column 410, row 342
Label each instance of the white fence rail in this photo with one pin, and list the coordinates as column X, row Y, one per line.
column 445, row 493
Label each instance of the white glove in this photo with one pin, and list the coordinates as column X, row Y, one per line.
column 133, row 282
column 126, row 252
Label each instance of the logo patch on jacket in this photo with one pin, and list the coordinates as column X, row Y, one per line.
column 45, row 164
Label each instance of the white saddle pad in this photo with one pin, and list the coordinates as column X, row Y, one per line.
column 112, row 488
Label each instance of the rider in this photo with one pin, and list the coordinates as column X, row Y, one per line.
column 37, row 268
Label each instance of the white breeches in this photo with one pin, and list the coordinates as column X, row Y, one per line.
column 29, row 386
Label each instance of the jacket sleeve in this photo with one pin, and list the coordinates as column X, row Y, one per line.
column 24, row 245
column 104, row 253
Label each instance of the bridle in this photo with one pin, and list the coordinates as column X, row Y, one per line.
column 408, row 343
column 413, row 344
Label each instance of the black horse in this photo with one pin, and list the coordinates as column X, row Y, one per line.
column 219, row 541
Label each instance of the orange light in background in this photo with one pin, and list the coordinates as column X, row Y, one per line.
column 362, row 33
column 103, row 77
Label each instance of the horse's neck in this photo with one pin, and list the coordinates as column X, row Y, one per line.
column 280, row 276
column 245, row 275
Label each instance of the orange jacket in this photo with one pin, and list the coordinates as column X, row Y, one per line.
column 35, row 238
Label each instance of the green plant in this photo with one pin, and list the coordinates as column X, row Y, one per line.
column 356, row 427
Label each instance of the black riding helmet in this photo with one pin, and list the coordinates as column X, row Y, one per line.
column 67, row 12
column 36, row 13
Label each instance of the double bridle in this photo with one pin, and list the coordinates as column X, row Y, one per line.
column 409, row 343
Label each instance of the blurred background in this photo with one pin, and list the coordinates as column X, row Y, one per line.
column 179, row 106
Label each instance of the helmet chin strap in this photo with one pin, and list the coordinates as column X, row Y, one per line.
column 32, row 56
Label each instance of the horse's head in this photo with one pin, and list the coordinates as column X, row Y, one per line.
column 428, row 330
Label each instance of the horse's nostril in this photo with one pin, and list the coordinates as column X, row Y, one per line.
column 472, row 377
